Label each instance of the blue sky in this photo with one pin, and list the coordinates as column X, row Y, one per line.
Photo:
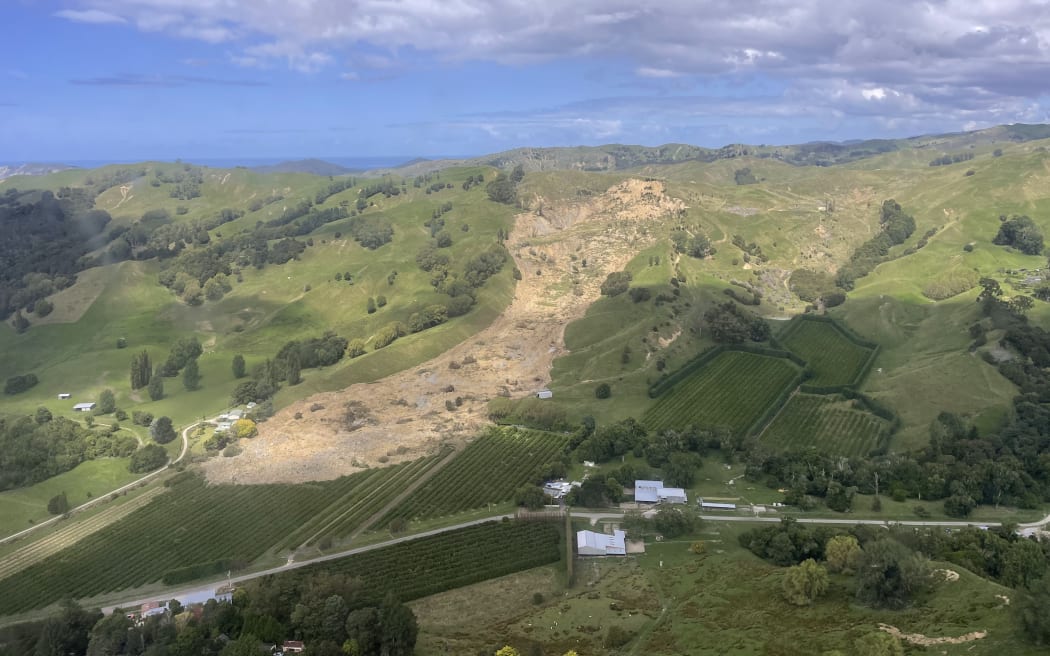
column 160, row 79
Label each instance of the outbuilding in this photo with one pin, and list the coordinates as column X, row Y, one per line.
column 65, row 395
column 715, row 505
column 544, row 394
column 84, row 407
column 589, row 543
column 655, row 492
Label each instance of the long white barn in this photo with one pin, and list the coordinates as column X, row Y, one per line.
column 589, row 543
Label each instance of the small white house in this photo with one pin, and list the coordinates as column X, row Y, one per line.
column 65, row 395
column 151, row 608
column 655, row 492
column 589, row 543
column 84, row 407
column 544, row 394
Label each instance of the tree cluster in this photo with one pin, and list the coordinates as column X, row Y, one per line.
column 697, row 245
column 1021, row 232
column 728, row 323
column 35, row 448
column 43, row 244
column 896, row 227
column 20, row 383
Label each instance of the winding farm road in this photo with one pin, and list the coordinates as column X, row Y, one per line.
column 104, row 497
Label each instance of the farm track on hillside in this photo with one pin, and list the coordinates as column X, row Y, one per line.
column 71, row 534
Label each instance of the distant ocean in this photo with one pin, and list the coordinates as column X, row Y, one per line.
column 357, row 163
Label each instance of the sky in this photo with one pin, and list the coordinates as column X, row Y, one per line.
column 163, row 79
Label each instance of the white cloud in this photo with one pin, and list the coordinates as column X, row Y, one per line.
column 955, row 55
column 93, row 16
column 649, row 71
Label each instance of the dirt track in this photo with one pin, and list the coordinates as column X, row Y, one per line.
column 406, row 412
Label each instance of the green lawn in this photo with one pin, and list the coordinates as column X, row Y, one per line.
column 20, row 508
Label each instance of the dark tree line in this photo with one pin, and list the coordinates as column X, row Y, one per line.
column 328, row 612
column 896, row 227
column 35, row 448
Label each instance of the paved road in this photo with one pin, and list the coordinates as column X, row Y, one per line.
column 206, row 590
column 200, row 592
column 105, row 497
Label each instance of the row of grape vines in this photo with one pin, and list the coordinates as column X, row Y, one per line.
column 193, row 523
column 835, row 359
column 429, row 565
column 490, row 470
column 825, row 423
column 733, row 390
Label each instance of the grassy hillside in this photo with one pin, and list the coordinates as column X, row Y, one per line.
column 917, row 305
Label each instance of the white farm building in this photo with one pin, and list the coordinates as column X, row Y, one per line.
column 83, row 407
column 655, row 492
column 589, row 543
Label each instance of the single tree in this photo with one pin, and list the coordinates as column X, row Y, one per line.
column 805, row 583
column 141, row 370
column 20, row 323
column 58, row 504
column 399, row 628
column 371, row 305
column 162, row 431
column 889, row 574
column 107, row 402
column 147, row 458
column 293, row 369
column 191, row 375
column 842, row 553
column 238, row 366
column 156, row 387
column 43, row 415
column 531, row 497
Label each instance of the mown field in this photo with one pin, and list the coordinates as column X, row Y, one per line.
column 733, row 390
column 490, row 470
column 827, row 423
column 834, row 358
column 195, row 524
column 429, row 565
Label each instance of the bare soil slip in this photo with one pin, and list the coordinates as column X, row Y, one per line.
column 404, row 416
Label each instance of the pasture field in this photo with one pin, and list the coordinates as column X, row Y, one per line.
column 834, row 358
column 426, row 566
column 193, row 524
column 824, row 422
column 490, row 470
column 75, row 350
column 733, row 390
column 21, row 507
column 671, row 601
